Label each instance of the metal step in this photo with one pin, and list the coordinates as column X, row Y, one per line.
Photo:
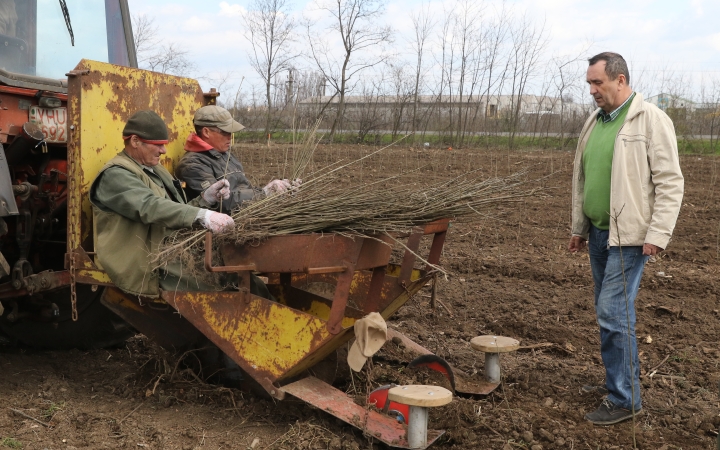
column 335, row 402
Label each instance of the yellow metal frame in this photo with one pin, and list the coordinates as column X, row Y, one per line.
column 101, row 97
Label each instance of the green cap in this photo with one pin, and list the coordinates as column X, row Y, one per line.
column 148, row 126
column 215, row 116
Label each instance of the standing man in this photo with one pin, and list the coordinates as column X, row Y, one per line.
column 627, row 191
column 136, row 202
column 208, row 159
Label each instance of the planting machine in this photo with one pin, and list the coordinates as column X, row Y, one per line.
column 57, row 133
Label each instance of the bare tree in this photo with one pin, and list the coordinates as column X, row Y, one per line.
column 144, row 34
column 154, row 54
column 401, row 83
column 462, row 69
column 170, row 59
column 466, row 29
column 422, row 28
column 269, row 29
column 363, row 41
column 567, row 72
column 446, row 70
column 528, row 43
column 369, row 114
column 495, row 37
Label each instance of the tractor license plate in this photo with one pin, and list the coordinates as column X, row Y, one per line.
column 52, row 121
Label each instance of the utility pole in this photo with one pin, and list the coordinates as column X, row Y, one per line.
column 289, row 89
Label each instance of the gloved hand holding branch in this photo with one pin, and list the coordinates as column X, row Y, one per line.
column 220, row 190
column 217, row 222
column 277, row 187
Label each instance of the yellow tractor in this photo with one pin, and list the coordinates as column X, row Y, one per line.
column 60, row 121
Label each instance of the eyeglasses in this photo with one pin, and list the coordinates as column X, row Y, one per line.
column 221, row 132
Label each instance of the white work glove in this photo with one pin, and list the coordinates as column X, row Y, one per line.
column 217, row 191
column 217, row 222
column 276, row 187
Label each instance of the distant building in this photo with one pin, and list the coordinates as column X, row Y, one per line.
column 665, row 101
column 490, row 106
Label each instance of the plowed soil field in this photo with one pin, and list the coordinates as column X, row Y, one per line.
column 509, row 274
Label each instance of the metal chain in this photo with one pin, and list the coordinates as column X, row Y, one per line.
column 72, row 218
column 369, row 369
column 73, row 290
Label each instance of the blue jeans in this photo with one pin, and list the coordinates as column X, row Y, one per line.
column 614, row 313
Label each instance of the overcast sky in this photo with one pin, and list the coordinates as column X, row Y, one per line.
column 678, row 37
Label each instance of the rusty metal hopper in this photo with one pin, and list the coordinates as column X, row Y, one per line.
column 274, row 341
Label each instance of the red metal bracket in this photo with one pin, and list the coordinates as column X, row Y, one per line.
column 335, row 402
column 208, row 259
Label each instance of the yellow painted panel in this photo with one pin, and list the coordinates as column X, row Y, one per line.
column 393, row 270
column 269, row 336
column 321, row 310
column 94, row 274
column 103, row 96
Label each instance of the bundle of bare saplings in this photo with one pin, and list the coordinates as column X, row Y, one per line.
column 324, row 204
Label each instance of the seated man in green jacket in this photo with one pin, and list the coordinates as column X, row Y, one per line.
column 136, row 203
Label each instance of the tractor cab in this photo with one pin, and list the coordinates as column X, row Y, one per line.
column 41, row 43
column 46, row 38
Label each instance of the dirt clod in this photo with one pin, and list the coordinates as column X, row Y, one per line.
column 527, row 436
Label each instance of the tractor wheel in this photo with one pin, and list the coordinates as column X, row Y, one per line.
column 96, row 327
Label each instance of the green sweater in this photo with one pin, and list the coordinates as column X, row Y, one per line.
column 597, row 166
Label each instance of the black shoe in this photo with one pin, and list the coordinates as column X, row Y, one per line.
column 608, row 413
column 590, row 389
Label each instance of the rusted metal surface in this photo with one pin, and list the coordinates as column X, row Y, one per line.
column 335, row 402
column 34, row 284
column 210, row 98
column 309, row 252
column 436, row 249
column 408, row 261
column 318, row 355
column 158, row 322
column 311, row 303
column 101, row 99
column 15, row 112
column 391, row 292
column 374, row 296
column 408, row 343
column 394, row 302
column 342, row 289
column 464, row 383
column 335, row 269
column 31, row 92
column 436, row 226
column 265, row 338
column 276, row 341
column 85, row 270
column 209, row 257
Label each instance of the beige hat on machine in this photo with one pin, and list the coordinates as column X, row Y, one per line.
column 370, row 335
column 215, row 116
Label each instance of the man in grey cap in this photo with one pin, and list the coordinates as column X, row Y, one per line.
column 208, row 159
column 136, row 203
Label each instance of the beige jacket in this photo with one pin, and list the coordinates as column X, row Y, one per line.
column 646, row 186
